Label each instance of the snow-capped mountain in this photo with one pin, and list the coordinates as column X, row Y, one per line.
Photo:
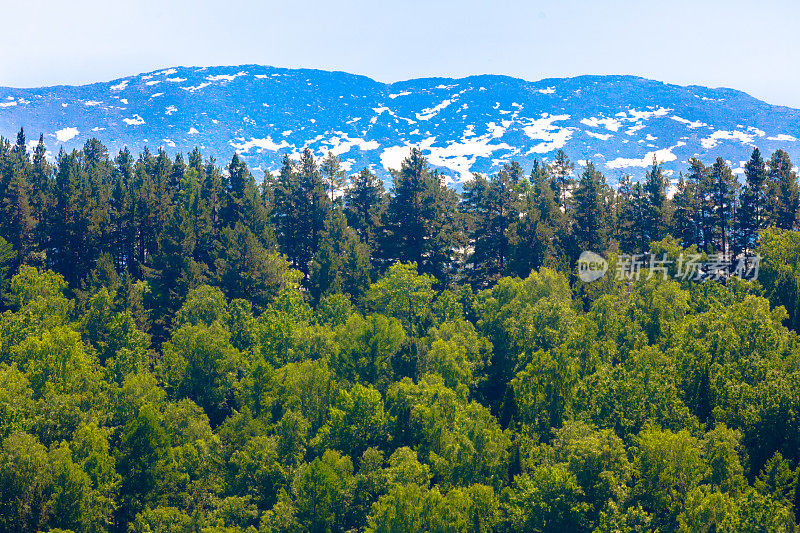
column 473, row 124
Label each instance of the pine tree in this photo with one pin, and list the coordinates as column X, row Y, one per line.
column 123, row 214
column 18, row 218
column 702, row 186
column 41, row 184
column 631, row 207
column 301, row 207
column 289, row 228
column 493, row 208
column 561, row 173
column 422, row 219
column 245, row 269
column 723, row 198
column 752, row 214
column 783, row 192
column 342, row 263
column 238, row 178
column 656, row 213
column 538, row 238
column 406, row 213
column 591, row 210
column 333, row 176
column 682, row 226
column 173, row 272
column 364, row 205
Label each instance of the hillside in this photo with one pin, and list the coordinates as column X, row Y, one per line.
column 464, row 125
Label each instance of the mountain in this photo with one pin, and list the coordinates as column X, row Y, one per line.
column 473, row 124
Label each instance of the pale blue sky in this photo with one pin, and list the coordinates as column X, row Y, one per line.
column 751, row 46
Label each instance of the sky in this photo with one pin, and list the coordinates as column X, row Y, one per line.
column 750, row 46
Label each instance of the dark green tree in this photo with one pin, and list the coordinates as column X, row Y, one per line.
column 783, row 192
column 591, row 210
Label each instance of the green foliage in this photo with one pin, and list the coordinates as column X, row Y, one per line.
column 366, row 348
column 210, row 354
column 145, row 461
column 403, row 294
column 25, row 483
column 549, row 499
column 200, row 363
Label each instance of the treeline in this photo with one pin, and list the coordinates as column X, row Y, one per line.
column 174, row 221
column 185, row 349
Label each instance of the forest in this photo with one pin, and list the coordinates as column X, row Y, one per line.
column 186, row 347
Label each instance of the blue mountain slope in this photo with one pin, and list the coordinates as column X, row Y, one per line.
column 473, row 124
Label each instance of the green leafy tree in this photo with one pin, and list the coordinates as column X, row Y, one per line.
column 199, row 363
column 25, row 484
column 549, row 499
column 403, row 294
column 145, row 461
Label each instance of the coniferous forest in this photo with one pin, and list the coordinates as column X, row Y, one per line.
column 187, row 347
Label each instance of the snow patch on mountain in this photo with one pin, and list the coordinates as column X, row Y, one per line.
column 664, row 155
column 601, row 136
column 341, row 145
column 689, row 123
column 543, row 129
column 225, row 77
column 723, row 135
column 431, row 112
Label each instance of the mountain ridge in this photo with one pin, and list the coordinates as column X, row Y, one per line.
column 472, row 124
